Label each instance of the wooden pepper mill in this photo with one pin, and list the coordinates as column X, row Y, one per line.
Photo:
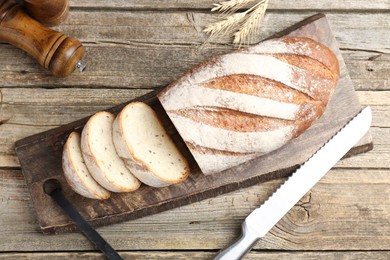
column 48, row 12
column 55, row 51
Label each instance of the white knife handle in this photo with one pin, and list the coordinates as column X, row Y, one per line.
column 242, row 246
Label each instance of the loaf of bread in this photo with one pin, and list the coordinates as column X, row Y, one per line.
column 145, row 147
column 76, row 172
column 101, row 158
column 247, row 103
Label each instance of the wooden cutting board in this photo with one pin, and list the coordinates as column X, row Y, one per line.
column 40, row 157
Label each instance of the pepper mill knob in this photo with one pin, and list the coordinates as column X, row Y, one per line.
column 49, row 12
column 53, row 50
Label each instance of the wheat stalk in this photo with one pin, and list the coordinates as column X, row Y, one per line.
column 242, row 25
column 225, row 25
column 230, row 6
column 250, row 26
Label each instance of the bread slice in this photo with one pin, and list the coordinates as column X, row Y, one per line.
column 150, row 154
column 76, row 172
column 101, row 158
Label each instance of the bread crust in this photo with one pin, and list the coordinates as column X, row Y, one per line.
column 72, row 174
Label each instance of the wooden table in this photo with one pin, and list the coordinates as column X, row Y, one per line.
column 137, row 45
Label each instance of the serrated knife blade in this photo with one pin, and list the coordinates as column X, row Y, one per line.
column 262, row 219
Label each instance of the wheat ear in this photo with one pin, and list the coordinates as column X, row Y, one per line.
column 242, row 25
column 250, row 25
column 225, row 25
column 230, row 6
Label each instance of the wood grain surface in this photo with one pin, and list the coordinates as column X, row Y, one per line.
column 149, row 49
column 206, row 4
column 40, row 157
column 208, row 255
column 353, row 196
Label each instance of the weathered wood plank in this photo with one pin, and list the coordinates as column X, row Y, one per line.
column 198, row 255
column 368, row 70
column 379, row 157
column 23, row 116
column 162, row 66
column 347, row 210
column 374, row 98
column 180, row 27
column 151, row 49
column 207, row 4
column 9, row 161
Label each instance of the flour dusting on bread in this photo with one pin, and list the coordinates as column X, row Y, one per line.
column 288, row 80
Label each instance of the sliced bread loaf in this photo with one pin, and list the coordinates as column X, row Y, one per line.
column 76, row 172
column 150, row 154
column 101, row 158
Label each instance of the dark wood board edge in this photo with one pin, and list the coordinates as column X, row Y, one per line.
column 296, row 26
column 359, row 150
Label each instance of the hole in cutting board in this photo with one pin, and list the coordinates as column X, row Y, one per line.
column 51, row 185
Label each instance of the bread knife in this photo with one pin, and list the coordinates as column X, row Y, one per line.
column 262, row 219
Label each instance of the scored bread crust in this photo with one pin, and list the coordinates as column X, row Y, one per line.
column 251, row 101
column 93, row 162
column 73, row 173
column 138, row 166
